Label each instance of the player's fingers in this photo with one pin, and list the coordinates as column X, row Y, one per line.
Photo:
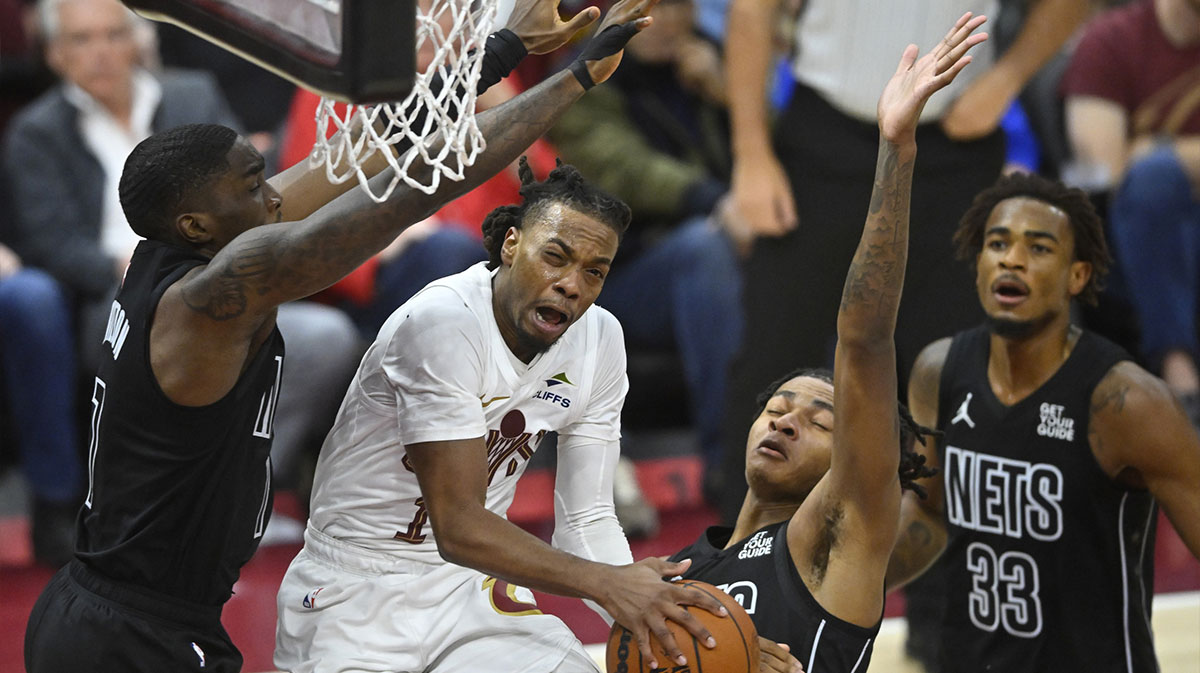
column 959, row 50
column 961, row 34
column 948, row 76
column 944, row 45
column 688, row 596
column 667, row 640
column 643, row 640
column 669, row 569
column 694, row 626
column 771, row 655
column 581, row 20
column 907, row 58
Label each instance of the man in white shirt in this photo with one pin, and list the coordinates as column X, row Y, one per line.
column 450, row 402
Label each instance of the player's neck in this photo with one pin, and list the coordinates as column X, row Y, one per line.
column 1019, row 366
column 756, row 513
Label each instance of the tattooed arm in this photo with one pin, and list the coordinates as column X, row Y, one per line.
column 922, row 529
column 857, row 504
column 1142, row 438
column 210, row 323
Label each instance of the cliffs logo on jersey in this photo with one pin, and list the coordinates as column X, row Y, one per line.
column 1003, row 496
column 1054, row 424
column 553, row 397
column 759, row 545
column 510, row 445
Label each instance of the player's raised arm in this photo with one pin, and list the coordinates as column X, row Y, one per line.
column 865, row 460
column 861, row 495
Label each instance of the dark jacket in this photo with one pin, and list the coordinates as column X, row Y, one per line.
column 650, row 142
column 57, row 184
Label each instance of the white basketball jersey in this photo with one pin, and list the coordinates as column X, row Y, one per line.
column 438, row 371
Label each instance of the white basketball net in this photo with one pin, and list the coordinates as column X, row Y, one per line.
column 435, row 124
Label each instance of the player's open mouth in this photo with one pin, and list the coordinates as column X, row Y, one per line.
column 550, row 319
column 1010, row 291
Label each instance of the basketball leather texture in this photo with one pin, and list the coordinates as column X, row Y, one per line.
column 736, row 650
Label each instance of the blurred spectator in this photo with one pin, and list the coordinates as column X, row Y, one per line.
column 1133, row 120
column 656, row 136
column 23, row 73
column 37, row 360
column 64, row 153
column 63, row 158
column 259, row 98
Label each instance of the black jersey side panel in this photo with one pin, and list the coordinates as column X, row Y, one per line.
column 758, row 572
column 1048, row 562
column 178, row 497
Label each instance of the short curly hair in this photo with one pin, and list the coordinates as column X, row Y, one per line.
column 1090, row 244
column 564, row 185
column 167, row 168
column 912, row 464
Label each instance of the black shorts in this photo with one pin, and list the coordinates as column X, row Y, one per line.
column 84, row 622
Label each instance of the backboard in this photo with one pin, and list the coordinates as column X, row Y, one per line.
column 357, row 51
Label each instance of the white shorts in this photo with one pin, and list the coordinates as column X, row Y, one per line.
column 344, row 609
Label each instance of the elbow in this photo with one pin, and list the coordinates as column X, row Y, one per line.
column 866, row 341
column 457, row 539
column 868, row 330
column 450, row 552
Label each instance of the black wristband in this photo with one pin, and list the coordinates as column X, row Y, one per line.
column 609, row 41
column 503, row 51
column 579, row 69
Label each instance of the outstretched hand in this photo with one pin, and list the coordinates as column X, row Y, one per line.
column 540, row 27
column 917, row 79
column 624, row 20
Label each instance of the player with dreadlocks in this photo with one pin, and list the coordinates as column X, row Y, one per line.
column 828, row 455
column 448, row 405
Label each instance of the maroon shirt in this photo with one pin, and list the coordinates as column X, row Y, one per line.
column 1124, row 57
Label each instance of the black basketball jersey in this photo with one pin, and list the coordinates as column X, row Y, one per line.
column 178, row 497
column 758, row 572
column 1049, row 563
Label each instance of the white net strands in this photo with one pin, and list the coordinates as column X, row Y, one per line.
column 434, row 125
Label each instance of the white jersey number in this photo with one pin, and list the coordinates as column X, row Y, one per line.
column 1004, row 591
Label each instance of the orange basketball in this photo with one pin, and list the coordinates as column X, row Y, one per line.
column 736, row 650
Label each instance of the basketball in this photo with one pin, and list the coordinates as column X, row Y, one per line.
column 736, row 650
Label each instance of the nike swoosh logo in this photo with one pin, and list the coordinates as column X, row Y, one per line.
column 485, row 404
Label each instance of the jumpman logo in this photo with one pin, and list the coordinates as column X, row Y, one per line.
column 962, row 414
